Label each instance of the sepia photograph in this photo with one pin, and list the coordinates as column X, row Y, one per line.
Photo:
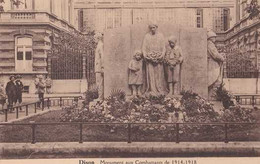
column 129, row 81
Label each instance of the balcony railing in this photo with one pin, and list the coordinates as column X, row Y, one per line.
column 23, row 15
column 33, row 17
column 240, row 26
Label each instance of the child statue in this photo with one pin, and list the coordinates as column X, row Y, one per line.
column 135, row 79
column 173, row 59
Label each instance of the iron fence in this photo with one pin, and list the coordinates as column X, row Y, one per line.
column 68, row 65
column 46, row 103
column 241, row 64
column 129, row 126
column 90, row 68
column 238, row 74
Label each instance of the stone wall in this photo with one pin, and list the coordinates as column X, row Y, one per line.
column 121, row 43
column 8, row 35
column 242, row 86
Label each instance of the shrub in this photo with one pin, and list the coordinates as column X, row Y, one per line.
column 116, row 94
column 90, row 95
column 224, row 96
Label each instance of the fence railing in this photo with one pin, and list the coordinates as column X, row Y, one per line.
column 248, row 99
column 46, row 103
column 129, row 126
column 239, row 74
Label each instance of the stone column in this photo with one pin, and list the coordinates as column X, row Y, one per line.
column 49, row 63
column 83, row 81
column 84, row 66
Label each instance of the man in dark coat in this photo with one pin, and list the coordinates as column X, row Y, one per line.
column 19, row 89
column 11, row 92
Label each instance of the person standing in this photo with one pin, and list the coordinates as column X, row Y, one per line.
column 36, row 81
column 41, row 90
column 19, row 90
column 48, row 83
column 11, row 92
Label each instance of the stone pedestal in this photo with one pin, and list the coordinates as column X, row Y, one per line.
column 83, row 85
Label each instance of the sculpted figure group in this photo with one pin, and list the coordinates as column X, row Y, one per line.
column 156, row 65
column 156, row 68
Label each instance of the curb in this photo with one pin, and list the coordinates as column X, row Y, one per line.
column 123, row 149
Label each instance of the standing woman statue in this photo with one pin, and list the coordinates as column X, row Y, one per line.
column 153, row 49
column 215, row 65
column 99, row 67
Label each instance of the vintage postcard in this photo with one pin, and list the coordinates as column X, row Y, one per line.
column 130, row 81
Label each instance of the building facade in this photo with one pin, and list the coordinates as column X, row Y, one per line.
column 25, row 43
column 100, row 15
column 241, row 46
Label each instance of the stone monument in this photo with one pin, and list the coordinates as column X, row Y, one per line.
column 120, row 44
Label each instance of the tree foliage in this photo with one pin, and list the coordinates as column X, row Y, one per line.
column 253, row 9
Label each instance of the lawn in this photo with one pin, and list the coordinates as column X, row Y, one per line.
column 63, row 133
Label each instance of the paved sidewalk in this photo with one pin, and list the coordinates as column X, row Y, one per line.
column 123, row 149
column 31, row 98
column 22, row 114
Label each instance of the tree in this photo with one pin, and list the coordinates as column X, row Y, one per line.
column 253, row 9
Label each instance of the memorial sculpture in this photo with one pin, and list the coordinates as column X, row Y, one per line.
column 99, row 67
column 135, row 79
column 173, row 60
column 153, row 50
column 215, row 65
column 121, row 44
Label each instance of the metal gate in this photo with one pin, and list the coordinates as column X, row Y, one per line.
column 67, row 65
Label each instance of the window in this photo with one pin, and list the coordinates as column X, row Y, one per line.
column 28, row 55
column 199, row 18
column 51, row 6
column 23, row 54
column 117, row 16
column 19, row 55
column 80, row 17
column 69, row 11
column 63, row 10
column 226, row 19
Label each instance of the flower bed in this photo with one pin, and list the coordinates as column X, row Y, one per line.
column 190, row 108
